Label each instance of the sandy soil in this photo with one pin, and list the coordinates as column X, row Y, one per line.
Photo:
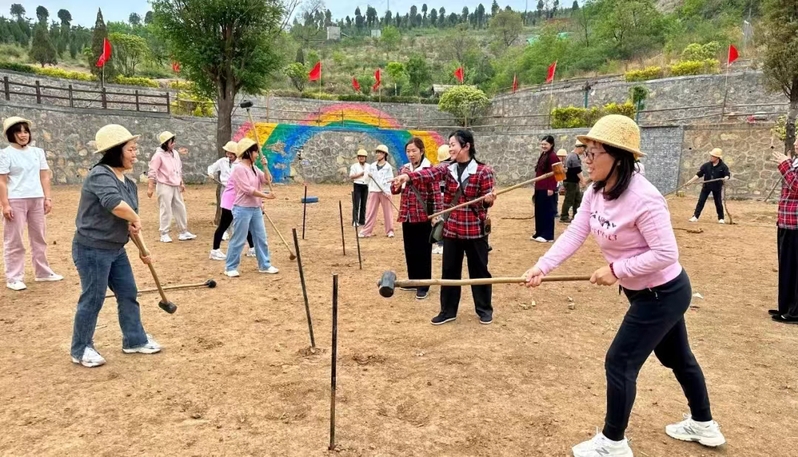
column 235, row 377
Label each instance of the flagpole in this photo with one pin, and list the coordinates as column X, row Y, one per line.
column 551, row 95
column 725, row 85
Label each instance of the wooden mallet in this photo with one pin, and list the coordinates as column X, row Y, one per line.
column 165, row 304
column 291, row 254
column 388, row 282
column 247, row 104
column 558, row 172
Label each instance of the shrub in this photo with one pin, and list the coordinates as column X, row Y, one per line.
column 695, row 67
column 136, row 81
column 572, row 117
column 644, row 74
column 18, row 67
column 695, row 51
column 65, row 74
column 627, row 109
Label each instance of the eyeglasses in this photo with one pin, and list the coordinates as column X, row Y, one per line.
column 590, row 155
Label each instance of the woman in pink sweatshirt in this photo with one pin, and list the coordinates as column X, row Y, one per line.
column 629, row 219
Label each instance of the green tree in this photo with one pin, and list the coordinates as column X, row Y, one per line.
column 494, row 8
column 433, row 17
column 780, row 40
column 465, row 103
column 505, row 27
column 413, row 12
column 575, row 7
column 42, row 50
column 66, row 32
column 418, row 72
column 224, row 47
column 633, row 27
column 18, row 11
column 42, row 14
column 460, row 46
column 98, row 36
column 298, row 75
column 480, row 16
column 300, row 56
column 129, row 51
column 148, row 18
column 397, row 74
column 134, row 19
column 390, row 38
column 540, row 8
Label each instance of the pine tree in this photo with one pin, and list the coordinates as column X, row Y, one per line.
column 42, row 50
column 97, row 38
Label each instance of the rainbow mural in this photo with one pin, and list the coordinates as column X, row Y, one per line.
column 281, row 142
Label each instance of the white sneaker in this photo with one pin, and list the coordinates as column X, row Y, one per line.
column 251, row 252
column 91, row 358
column 540, row 239
column 705, row 433
column 362, row 235
column 437, row 249
column 186, row 236
column 217, row 254
column 232, row 273
column 150, row 347
column 166, row 238
column 225, row 236
column 693, row 219
column 390, row 234
column 601, row 446
column 721, row 221
column 271, row 271
column 16, row 285
column 52, row 278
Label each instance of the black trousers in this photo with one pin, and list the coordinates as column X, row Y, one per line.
column 418, row 250
column 477, row 252
column 788, row 271
column 360, row 195
column 654, row 322
column 717, row 194
column 545, row 210
column 224, row 224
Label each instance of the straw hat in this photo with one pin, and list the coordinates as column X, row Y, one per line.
column 362, row 153
column 562, row 153
column 243, row 145
column 165, row 136
column 443, row 152
column 14, row 120
column 618, row 131
column 382, row 148
column 112, row 135
column 717, row 152
column 579, row 144
column 231, row 146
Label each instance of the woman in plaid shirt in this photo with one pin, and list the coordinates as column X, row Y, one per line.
column 463, row 232
column 787, row 241
column 417, row 203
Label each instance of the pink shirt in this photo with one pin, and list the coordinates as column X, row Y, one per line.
column 166, row 168
column 245, row 183
column 633, row 232
column 228, row 194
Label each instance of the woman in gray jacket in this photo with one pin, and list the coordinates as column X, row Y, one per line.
column 107, row 216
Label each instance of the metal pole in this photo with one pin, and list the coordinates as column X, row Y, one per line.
column 333, row 364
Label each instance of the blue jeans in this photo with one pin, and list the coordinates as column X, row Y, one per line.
column 247, row 220
column 100, row 269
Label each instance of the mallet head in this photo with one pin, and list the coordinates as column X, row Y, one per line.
column 169, row 307
column 246, row 104
column 292, row 256
column 210, row 283
column 387, row 284
column 559, row 171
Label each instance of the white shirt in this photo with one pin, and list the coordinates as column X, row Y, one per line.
column 224, row 167
column 22, row 168
column 355, row 170
column 383, row 177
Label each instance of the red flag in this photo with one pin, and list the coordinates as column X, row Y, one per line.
column 106, row 55
column 515, row 83
column 378, row 78
column 550, row 74
column 355, row 85
column 459, row 74
column 733, row 54
column 176, row 67
column 315, row 74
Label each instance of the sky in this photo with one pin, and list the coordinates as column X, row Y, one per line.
column 84, row 12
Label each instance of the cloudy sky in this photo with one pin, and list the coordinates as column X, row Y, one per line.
column 85, row 11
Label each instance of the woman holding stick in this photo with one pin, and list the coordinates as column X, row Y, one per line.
column 417, row 203
column 380, row 174
column 226, row 204
column 629, row 219
column 545, row 193
column 787, row 236
column 247, row 210
column 463, row 229
column 107, row 217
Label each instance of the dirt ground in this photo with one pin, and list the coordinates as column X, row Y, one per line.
column 235, row 377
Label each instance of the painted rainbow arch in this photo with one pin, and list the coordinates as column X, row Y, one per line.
column 281, row 142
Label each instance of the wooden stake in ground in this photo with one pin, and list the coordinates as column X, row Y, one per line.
column 357, row 240
column 341, row 214
column 304, row 290
column 304, row 210
column 333, row 363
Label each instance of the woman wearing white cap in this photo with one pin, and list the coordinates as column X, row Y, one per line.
column 629, row 219
column 25, row 199
column 360, row 191
column 224, row 167
column 248, row 181
column 380, row 174
column 107, row 216
column 166, row 180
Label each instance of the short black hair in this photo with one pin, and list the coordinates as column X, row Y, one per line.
column 165, row 144
column 624, row 166
column 113, row 157
column 463, row 137
column 16, row 128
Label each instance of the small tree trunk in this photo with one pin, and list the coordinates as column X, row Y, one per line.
column 789, row 138
column 224, row 130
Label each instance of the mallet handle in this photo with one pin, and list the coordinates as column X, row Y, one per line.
column 175, row 287
column 483, row 281
column 145, row 253
column 257, row 140
column 499, row 192
column 390, row 198
column 279, row 234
